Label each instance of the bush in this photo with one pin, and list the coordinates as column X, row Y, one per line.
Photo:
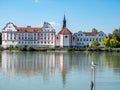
column 11, row 47
column 1, row 48
column 40, row 49
column 29, row 48
column 22, row 48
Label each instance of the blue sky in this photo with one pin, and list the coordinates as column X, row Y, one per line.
column 104, row 15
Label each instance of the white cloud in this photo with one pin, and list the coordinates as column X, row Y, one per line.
column 54, row 24
column 36, row 1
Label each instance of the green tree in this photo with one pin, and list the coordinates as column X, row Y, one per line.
column 114, row 42
column 106, row 41
column 116, row 34
column 0, row 38
column 110, row 35
column 95, row 43
column 94, row 30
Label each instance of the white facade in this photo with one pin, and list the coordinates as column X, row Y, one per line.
column 46, row 36
column 13, row 35
column 84, row 39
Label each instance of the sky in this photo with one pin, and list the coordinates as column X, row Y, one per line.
column 81, row 15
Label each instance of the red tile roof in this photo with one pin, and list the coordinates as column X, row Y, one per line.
column 90, row 33
column 65, row 30
column 28, row 29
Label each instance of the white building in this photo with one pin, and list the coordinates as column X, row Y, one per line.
column 84, row 39
column 13, row 35
column 46, row 36
column 64, row 37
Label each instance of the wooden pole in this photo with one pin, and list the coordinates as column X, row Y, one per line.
column 94, row 78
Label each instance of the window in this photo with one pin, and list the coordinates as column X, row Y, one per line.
column 81, row 39
column 87, row 39
column 100, row 39
column 66, row 36
column 73, row 38
column 84, row 39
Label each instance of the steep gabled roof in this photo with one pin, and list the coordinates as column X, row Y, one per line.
column 65, row 30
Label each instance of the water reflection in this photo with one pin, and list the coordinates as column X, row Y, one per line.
column 46, row 64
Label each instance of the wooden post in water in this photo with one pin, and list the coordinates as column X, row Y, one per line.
column 93, row 82
column 94, row 77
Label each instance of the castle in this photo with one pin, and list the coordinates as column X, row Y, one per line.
column 46, row 36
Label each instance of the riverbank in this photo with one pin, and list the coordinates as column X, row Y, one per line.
column 59, row 49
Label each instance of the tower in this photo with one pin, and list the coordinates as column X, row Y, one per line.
column 65, row 35
column 64, row 21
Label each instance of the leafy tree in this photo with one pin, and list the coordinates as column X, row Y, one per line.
column 110, row 35
column 116, row 34
column 94, row 30
column 95, row 43
column 0, row 38
column 114, row 42
column 106, row 41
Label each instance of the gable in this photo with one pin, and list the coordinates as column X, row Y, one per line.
column 9, row 27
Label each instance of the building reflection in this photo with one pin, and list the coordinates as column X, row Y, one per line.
column 44, row 64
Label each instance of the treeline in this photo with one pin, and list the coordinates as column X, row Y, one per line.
column 113, row 40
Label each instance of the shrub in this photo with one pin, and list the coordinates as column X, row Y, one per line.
column 29, row 48
column 11, row 47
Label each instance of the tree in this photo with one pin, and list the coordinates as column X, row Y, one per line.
column 95, row 43
column 116, row 34
column 114, row 42
column 0, row 38
column 110, row 35
column 106, row 41
column 94, row 30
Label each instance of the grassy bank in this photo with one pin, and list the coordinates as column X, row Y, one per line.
column 69, row 49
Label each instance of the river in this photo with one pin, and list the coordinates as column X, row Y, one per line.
column 58, row 70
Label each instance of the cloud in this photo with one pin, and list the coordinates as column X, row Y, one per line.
column 54, row 24
column 36, row 1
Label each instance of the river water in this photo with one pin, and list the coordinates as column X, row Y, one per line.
column 58, row 70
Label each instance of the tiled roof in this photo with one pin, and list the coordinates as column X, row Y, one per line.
column 65, row 30
column 90, row 33
column 28, row 29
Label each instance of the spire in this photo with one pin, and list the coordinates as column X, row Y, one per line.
column 64, row 21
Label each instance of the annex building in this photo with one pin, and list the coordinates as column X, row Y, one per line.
column 46, row 36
